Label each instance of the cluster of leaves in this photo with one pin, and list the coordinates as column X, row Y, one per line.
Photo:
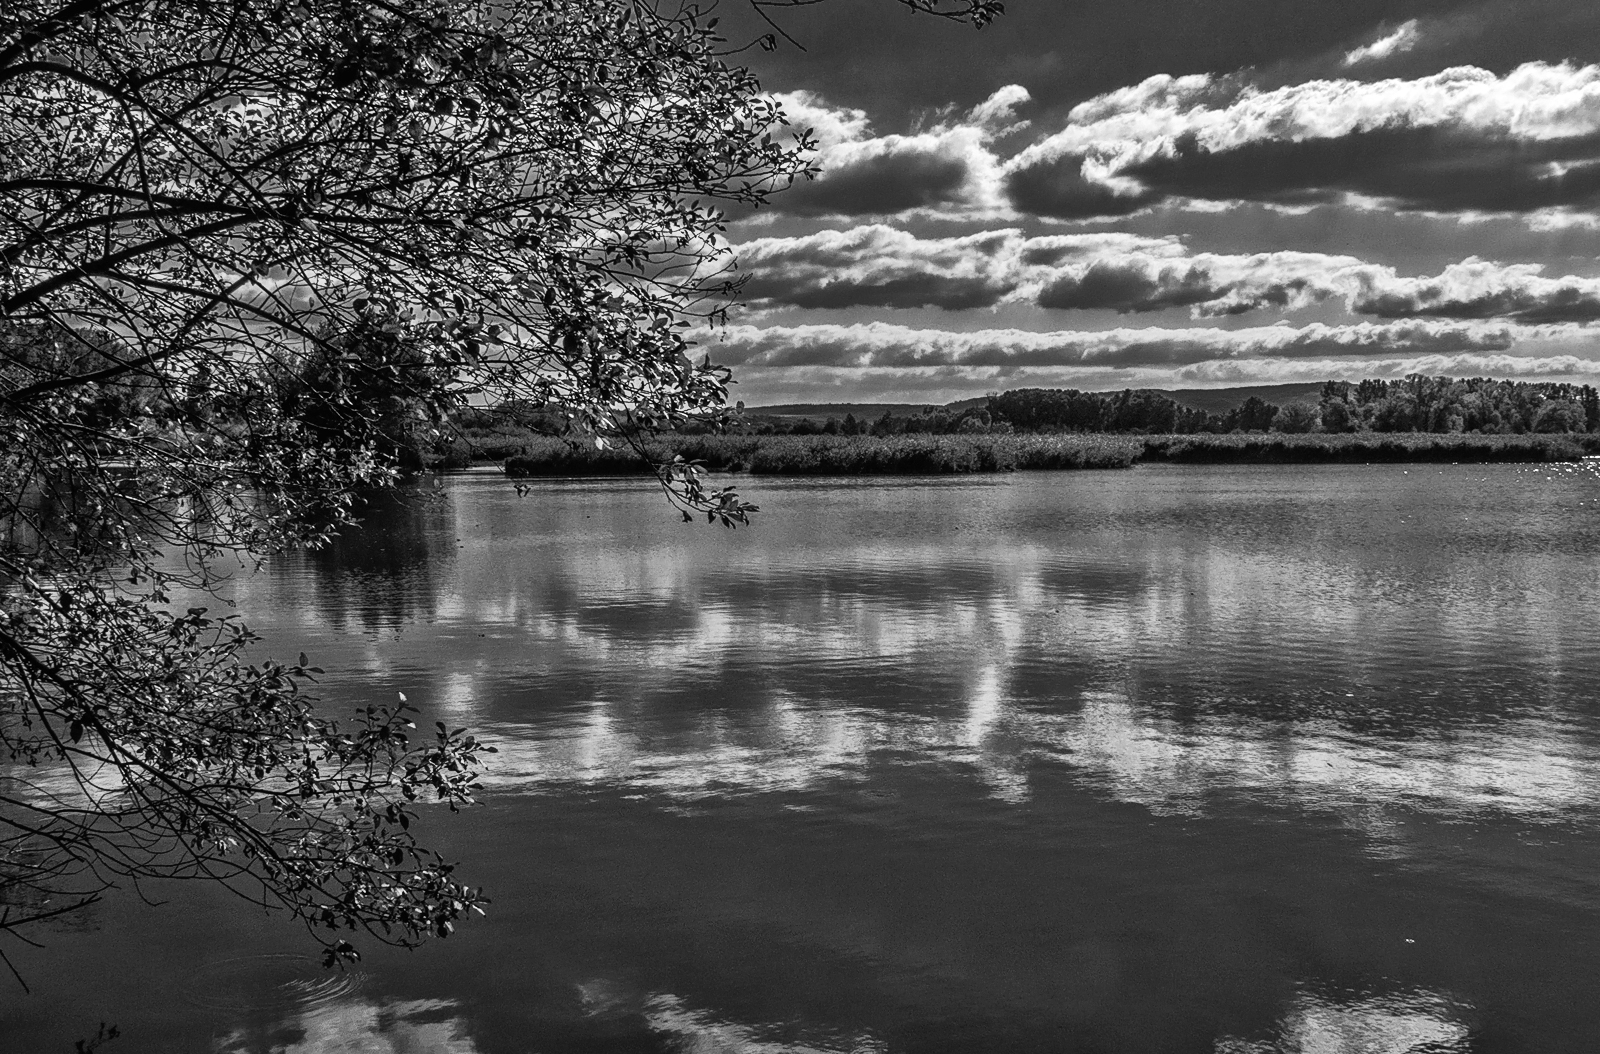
column 142, row 745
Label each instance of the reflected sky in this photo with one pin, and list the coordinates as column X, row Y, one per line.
column 1231, row 760
column 1332, row 639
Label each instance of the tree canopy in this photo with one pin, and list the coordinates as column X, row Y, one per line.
column 242, row 242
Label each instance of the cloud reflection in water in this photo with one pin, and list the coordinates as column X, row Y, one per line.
column 1416, row 1022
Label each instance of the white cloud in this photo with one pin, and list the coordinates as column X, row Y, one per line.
column 877, row 265
column 998, row 113
column 879, row 344
column 948, row 169
column 1173, row 137
column 1399, row 42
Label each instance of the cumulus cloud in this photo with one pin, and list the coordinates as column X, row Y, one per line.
column 949, row 167
column 939, row 384
column 1470, row 364
column 877, row 265
column 879, row 344
column 1462, row 139
column 1479, row 289
column 1399, row 42
column 998, row 113
column 881, row 266
column 1209, row 284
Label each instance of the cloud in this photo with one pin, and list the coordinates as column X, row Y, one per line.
column 998, row 113
column 941, row 384
column 1462, row 139
column 879, row 344
column 949, row 168
column 1399, row 42
column 880, row 266
column 1479, row 289
column 877, row 265
column 1472, row 364
column 1210, row 284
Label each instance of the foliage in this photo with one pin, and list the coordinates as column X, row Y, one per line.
column 250, row 252
column 1412, row 404
column 1443, row 404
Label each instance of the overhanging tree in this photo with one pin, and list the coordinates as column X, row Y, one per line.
column 224, row 226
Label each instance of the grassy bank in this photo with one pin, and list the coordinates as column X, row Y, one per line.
column 1366, row 447
column 825, row 455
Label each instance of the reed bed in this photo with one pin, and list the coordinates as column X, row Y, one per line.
column 824, row 455
column 1366, row 447
column 837, row 455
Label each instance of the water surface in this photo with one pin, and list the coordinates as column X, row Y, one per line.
column 1225, row 760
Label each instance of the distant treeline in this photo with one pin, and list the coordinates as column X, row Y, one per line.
column 1414, row 404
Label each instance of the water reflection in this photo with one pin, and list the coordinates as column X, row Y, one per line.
column 1539, row 770
column 1415, row 1022
column 964, row 765
column 356, row 1026
column 1323, row 640
column 389, row 568
column 680, row 1026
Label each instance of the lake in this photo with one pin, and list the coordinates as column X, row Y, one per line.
column 1223, row 760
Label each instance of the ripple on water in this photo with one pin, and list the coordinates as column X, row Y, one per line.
column 269, row 982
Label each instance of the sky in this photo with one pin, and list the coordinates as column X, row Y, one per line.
column 1173, row 193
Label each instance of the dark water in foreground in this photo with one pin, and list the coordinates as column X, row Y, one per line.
column 1236, row 760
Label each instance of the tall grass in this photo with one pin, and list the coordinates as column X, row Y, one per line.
column 1363, row 447
column 838, row 455
column 824, row 455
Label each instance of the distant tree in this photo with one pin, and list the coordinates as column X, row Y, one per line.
column 1395, row 412
column 973, row 423
column 1336, row 415
column 1255, row 415
column 1297, row 417
column 1560, row 415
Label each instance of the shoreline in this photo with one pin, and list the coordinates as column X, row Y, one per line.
column 968, row 454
